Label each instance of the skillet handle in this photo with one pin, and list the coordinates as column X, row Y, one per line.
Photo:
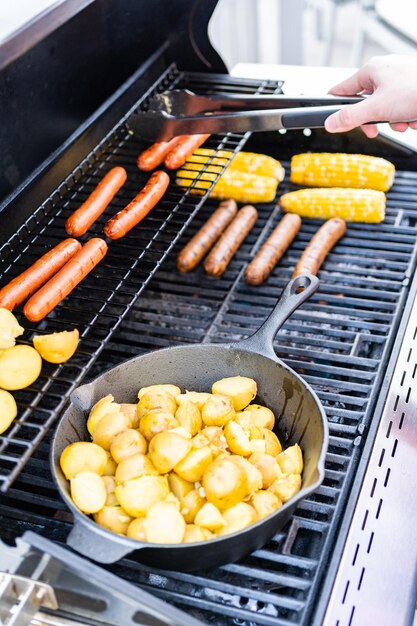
column 95, row 545
column 291, row 298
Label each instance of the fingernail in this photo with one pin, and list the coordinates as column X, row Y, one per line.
column 330, row 124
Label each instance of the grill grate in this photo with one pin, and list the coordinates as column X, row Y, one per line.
column 339, row 342
column 100, row 303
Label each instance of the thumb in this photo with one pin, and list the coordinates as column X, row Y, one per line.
column 352, row 116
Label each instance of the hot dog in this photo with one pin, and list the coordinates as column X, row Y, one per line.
column 80, row 221
column 220, row 256
column 320, row 245
column 58, row 287
column 155, row 154
column 202, row 241
column 274, row 247
column 139, row 208
column 183, row 149
column 24, row 285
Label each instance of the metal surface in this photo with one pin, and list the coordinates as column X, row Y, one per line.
column 377, row 578
column 21, row 597
column 300, row 419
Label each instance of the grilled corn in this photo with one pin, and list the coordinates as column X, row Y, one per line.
column 325, row 169
column 352, row 205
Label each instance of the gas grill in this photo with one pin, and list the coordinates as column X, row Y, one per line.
column 354, row 342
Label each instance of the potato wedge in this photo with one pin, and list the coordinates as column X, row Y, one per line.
column 105, row 406
column 259, row 416
column 113, row 518
column 156, row 421
column 8, row 410
column 173, row 390
column 57, row 347
column 20, row 366
column 189, row 417
column 179, row 486
column 127, row 443
column 238, row 517
column 164, row 524
column 225, row 483
column 265, row 503
column 237, row 440
column 241, row 389
column 134, row 466
column 193, row 466
column 88, row 492
column 136, row 529
column 197, row 397
column 291, row 460
column 218, row 410
column 286, row 487
column 210, row 517
column 82, row 456
column 108, row 427
column 268, row 467
column 137, row 496
column 191, row 504
column 9, row 329
column 168, row 449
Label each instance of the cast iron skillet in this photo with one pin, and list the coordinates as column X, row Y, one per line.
column 300, row 418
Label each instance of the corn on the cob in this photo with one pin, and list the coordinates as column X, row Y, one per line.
column 359, row 171
column 352, row 205
column 250, row 178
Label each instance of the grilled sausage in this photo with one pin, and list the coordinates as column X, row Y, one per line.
column 139, row 208
column 274, row 247
column 320, row 245
column 80, row 221
column 183, row 149
column 155, row 154
column 208, row 234
column 24, row 285
column 220, row 256
column 58, row 287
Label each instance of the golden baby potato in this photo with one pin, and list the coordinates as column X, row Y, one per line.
column 8, row 410
column 105, row 406
column 110, row 484
column 193, row 534
column 199, row 398
column 113, row 518
column 179, row 486
column 238, row 517
column 134, row 466
column 265, row 503
column 179, row 430
column 191, row 504
column 218, row 410
column 225, row 483
column 268, row 467
column 291, row 460
column 286, row 487
column 136, row 529
column 9, row 329
column 253, row 475
column 264, row 440
column 111, row 465
column 82, row 456
column 127, row 443
column 164, row 524
column 156, row 421
column 88, row 492
column 240, row 389
column 20, row 366
column 57, row 347
column 108, row 427
column 189, row 417
column 137, row 496
column 172, row 390
column 210, row 517
column 259, row 416
column 130, row 411
column 193, row 466
column 216, row 439
column 237, row 439
column 156, row 400
column 167, row 449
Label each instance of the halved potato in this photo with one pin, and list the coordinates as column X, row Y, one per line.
column 268, row 467
column 113, row 518
column 134, row 466
column 291, row 460
column 88, row 492
column 136, row 529
column 82, row 456
column 20, row 366
column 218, row 410
column 265, row 503
column 264, row 440
column 57, row 347
column 8, row 410
column 105, row 406
column 179, row 486
column 173, row 390
column 225, row 483
column 164, row 524
column 9, row 329
column 237, row 439
column 196, row 397
column 161, row 400
column 210, row 517
column 156, row 421
column 108, row 427
column 240, row 389
column 191, row 504
column 168, row 449
column 286, row 487
column 253, row 475
column 259, row 416
column 127, row 443
column 138, row 496
column 193, row 466
column 189, row 417
column 238, row 517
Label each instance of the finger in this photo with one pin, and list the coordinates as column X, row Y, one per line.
column 358, row 82
column 370, row 130
column 400, row 127
column 413, row 125
column 352, row 116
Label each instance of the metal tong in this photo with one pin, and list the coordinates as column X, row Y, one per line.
column 181, row 112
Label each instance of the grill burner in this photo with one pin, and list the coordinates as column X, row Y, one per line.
column 339, row 342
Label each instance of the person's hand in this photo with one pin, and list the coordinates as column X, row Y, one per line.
column 391, row 82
